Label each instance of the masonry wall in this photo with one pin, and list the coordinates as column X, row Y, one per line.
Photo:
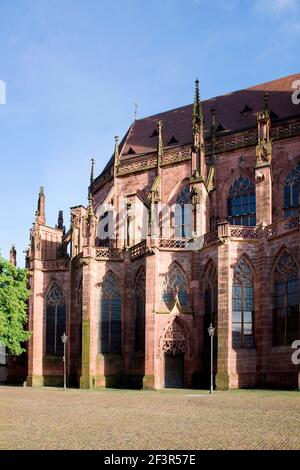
column 263, row 365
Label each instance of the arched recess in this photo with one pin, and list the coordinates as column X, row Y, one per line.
column 225, row 188
column 291, row 192
column 286, row 316
column 175, row 348
column 241, row 202
column 243, row 305
column 140, row 308
column 174, row 281
column 183, row 213
column 110, row 330
column 209, row 283
column 55, row 319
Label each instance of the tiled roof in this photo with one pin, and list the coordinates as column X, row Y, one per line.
column 234, row 112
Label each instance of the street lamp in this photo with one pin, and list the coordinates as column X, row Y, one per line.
column 64, row 340
column 211, row 332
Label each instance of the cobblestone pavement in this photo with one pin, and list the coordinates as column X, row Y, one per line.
column 49, row 418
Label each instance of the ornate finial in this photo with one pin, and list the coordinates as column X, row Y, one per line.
column 267, row 101
column 135, row 111
column 213, row 121
column 213, row 133
column 116, row 155
column 116, row 152
column 197, row 111
column 264, row 145
column 92, row 171
column 13, row 255
column 60, row 220
column 40, row 213
column 160, row 147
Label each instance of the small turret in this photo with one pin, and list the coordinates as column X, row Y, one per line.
column 40, row 213
column 13, row 255
column 60, row 221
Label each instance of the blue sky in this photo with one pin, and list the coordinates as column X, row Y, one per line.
column 73, row 70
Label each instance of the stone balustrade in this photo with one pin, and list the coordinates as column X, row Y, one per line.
column 56, row 264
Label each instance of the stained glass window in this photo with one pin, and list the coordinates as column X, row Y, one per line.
column 139, row 293
column 242, row 307
column 110, row 316
column 286, row 325
column 55, row 320
column 174, row 281
column 183, row 214
column 291, row 192
column 241, row 202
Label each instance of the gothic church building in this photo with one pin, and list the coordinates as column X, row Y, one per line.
column 194, row 221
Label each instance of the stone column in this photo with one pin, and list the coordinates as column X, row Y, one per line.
column 200, row 200
column 87, row 379
column 263, row 310
column 224, row 308
column 36, row 326
column 148, row 381
column 263, row 185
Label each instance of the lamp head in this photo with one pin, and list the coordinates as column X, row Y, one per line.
column 211, row 330
column 64, row 338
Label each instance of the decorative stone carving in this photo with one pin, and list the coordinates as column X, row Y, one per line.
column 75, row 219
column 174, row 340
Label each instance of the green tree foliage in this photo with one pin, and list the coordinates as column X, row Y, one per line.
column 13, row 307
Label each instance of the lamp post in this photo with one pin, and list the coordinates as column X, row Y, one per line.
column 64, row 340
column 211, row 332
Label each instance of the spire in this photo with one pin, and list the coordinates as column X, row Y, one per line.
column 160, row 146
column 197, row 110
column 264, row 145
column 116, row 155
column 40, row 213
column 92, row 171
column 267, row 101
column 213, row 132
column 198, row 149
column 135, row 112
column 13, row 256
column 60, row 221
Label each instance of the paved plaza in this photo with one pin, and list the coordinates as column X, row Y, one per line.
column 49, row 418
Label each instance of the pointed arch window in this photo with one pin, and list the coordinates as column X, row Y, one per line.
column 183, row 214
column 139, row 293
column 241, row 202
column 291, row 192
column 286, row 324
column 174, row 281
column 242, row 307
column 110, row 316
column 55, row 319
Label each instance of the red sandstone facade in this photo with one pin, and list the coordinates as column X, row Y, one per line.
column 138, row 303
